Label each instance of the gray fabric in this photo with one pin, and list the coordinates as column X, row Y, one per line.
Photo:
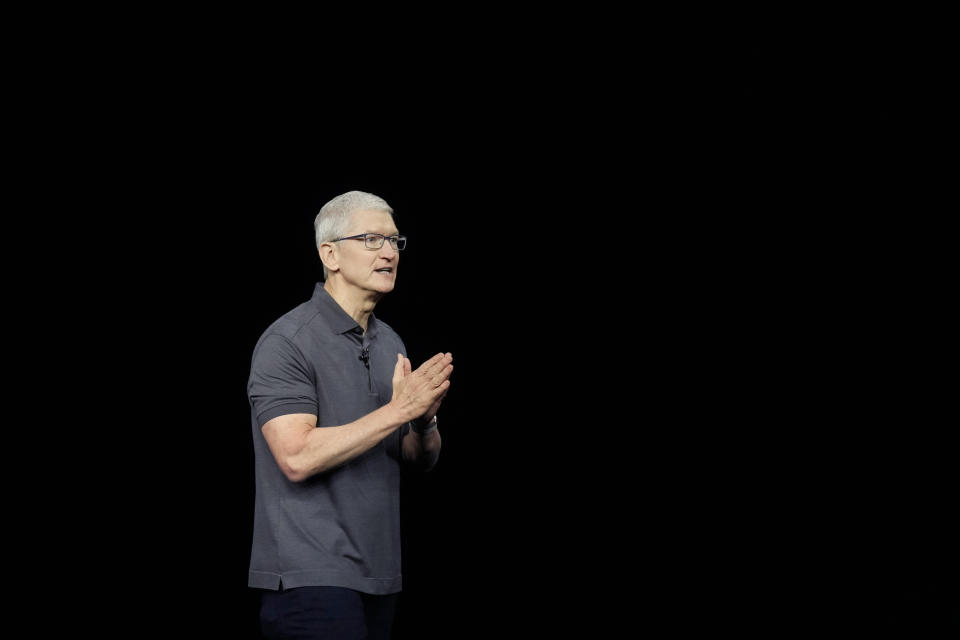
column 339, row 528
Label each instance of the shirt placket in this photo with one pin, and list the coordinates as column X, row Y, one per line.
column 366, row 348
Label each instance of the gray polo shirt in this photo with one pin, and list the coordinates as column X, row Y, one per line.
column 341, row 527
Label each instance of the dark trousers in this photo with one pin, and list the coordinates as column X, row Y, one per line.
column 331, row 613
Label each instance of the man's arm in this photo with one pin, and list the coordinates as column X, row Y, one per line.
column 421, row 446
column 422, row 450
column 301, row 450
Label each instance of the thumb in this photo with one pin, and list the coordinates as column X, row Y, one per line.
column 398, row 369
column 407, row 367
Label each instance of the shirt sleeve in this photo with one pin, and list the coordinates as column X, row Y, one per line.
column 281, row 380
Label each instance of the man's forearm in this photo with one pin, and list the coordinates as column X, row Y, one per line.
column 328, row 447
column 422, row 450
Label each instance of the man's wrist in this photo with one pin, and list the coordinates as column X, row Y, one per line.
column 424, row 427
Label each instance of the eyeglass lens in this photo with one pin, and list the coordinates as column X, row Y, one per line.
column 375, row 241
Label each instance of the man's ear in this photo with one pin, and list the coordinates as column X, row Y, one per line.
column 329, row 256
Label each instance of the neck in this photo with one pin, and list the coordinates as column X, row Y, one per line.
column 357, row 303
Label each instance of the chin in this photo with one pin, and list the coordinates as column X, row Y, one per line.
column 384, row 288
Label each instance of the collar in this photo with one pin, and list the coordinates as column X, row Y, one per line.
column 339, row 320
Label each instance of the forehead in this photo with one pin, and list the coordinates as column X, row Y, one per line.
column 372, row 221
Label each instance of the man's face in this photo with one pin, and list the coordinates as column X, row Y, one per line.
column 369, row 269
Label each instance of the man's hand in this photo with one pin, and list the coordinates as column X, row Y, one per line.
column 419, row 393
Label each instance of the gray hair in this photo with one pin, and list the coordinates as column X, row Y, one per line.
column 334, row 217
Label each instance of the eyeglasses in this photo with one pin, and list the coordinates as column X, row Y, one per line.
column 375, row 240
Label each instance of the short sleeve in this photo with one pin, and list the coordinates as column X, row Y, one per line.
column 281, row 380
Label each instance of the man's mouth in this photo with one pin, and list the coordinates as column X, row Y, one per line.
column 385, row 270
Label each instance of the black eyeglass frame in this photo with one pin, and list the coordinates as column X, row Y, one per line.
column 397, row 242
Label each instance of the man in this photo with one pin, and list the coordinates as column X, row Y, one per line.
column 336, row 408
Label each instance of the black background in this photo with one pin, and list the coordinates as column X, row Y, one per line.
column 679, row 283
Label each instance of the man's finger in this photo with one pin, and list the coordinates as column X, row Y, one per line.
column 443, row 374
column 398, row 369
column 438, row 392
column 436, row 361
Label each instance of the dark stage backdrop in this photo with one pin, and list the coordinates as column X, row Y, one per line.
column 649, row 410
column 688, row 390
